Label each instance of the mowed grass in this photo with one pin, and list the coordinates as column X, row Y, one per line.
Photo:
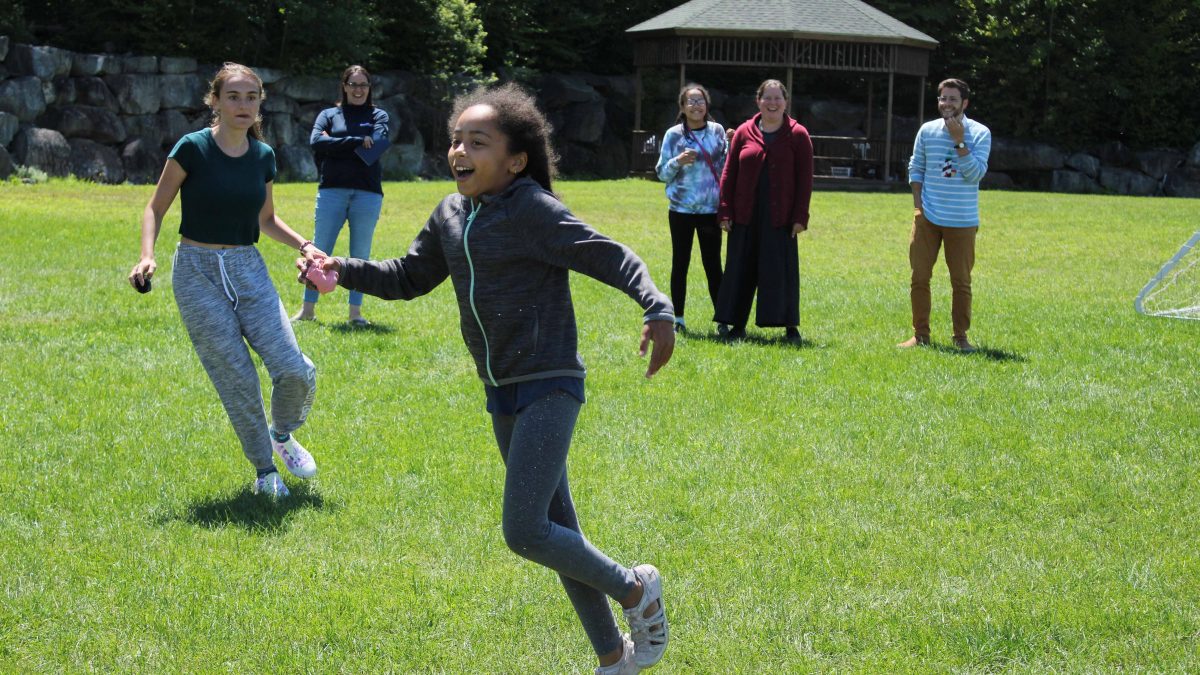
column 837, row 506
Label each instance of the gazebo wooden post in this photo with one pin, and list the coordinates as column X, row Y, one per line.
column 870, row 103
column 789, row 89
column 921, row 101
column 682, row 75
column 637, row 99
column 887, row 148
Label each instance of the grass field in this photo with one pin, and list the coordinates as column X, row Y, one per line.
column 837, row 506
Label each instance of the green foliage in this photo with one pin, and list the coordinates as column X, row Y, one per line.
column 837, row 507
column 555, row 36
column 29, row 175
column 1070, row 72
column 440, row 38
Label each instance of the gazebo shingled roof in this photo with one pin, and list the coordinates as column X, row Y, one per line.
column 848, row 20
column 846, row 35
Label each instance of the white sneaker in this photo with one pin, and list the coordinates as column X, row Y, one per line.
column 298, row 461
column 627, row 665
column 271, row 485
column 649, row 633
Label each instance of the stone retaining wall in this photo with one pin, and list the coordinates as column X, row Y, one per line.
column 112, row 119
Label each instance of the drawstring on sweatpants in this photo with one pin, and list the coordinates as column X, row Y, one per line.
column 226, row 282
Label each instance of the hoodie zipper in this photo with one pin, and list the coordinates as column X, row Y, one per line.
column 487, row 350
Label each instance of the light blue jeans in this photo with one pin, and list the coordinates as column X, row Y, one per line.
column 336, row 206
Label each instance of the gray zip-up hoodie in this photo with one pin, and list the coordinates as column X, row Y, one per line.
column 508, row 258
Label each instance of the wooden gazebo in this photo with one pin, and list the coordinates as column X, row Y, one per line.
column 844, row 35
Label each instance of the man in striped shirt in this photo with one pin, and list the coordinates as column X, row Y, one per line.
column 949, row 159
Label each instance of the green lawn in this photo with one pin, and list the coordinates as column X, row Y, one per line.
column 838, row 506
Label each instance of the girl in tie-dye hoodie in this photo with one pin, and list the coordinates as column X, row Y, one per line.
column 690, row 163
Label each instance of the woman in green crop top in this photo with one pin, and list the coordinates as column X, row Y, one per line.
column 224, row 175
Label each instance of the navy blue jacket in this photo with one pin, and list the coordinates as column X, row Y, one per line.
column 346, row 127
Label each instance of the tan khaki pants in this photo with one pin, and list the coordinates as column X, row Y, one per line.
column 923, row 247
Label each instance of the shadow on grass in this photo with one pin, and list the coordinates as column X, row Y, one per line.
column 981, row 351
column 244, row 509
column 756, row 339
column 375, row 328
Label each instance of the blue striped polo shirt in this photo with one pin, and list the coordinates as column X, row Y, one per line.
column 950, row 184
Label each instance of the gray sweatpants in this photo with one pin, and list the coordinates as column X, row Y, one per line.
column 227, row 300
column 539, row 520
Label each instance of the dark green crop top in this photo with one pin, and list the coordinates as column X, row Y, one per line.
column 222, row 195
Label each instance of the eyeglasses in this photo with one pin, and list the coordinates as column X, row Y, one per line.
column 358, row 85
column 696, row 101
column 947, row 99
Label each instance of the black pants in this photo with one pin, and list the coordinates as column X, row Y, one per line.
column 764, row 259
column 709, row 234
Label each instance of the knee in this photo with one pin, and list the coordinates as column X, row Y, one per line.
column 300, row 373
column 525, row 536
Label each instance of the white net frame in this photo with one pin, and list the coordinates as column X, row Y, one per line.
column 1175, row 291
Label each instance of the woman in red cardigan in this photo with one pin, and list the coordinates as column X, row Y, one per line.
column 765, row 191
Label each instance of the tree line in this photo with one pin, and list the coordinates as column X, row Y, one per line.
column 1069, row 72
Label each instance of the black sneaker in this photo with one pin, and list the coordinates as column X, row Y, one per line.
column 736, row 333
column 792, row 334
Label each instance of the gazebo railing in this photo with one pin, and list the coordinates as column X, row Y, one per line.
column 836, row 156
column 858, row 157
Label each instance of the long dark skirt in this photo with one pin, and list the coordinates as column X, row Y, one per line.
column 764, row 258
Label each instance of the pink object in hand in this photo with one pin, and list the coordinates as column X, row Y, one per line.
column 323, row 280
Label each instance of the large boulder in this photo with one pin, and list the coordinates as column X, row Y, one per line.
column 1013, row 155
column 295, row 164
column 83, row 121
column 9, row 124
column 91, row 90
column 306, row 88
column 267, row 75
column 997, row 180
column 1156, row 163
column 279, row 103
column 1182, row 182
column 176, row 65
column 1114, row 153
column 3, row 47
column 1127, row 182
column 44, row 149
column 95, row 162
column 1065, row 180
column 41, row 62
column 1084, row 163
column 279, row 130
column 142, row 65
column 181, row 91
column 136, row 94
column 59, row 91
column 175, row 125
column 146, row 127
column 143, row 161
column 557, row 91
column 1193, row 157
column 83, row 65
column 584, row 121
column 23, row 97
column 6, row 163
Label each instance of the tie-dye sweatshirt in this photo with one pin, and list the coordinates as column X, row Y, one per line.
column 694, row 188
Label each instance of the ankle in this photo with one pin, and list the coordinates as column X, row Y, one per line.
column 634, row 597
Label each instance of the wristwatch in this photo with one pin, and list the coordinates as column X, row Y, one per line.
column 961, row 145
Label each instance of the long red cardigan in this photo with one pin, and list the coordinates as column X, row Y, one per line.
column 790, row 163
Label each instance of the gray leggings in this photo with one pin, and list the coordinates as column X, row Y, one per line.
column 539, row 519
column 227, row 300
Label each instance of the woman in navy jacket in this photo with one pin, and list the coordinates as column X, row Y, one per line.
column 765, row 191
column 344, row 141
